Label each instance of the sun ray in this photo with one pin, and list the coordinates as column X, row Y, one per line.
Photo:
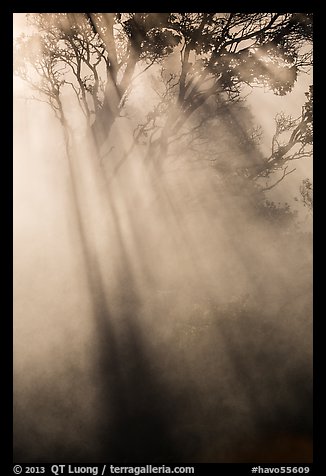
column 162, row 296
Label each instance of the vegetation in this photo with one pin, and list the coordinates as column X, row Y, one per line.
column 199, row 281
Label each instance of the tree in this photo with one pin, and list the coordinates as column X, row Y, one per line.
column 291, row 141
column 199, row 66
column 99, row 55
column 306, row 194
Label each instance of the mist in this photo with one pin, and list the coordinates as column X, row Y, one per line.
column 160, row 313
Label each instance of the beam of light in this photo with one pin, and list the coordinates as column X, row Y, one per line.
column 168, row 320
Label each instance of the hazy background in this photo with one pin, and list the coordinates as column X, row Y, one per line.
column 196, row 343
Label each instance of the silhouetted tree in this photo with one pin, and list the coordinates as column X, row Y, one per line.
column 200, row 104
column 98, row 55
column 306, row 194
column 214, row 56
column 291, row 141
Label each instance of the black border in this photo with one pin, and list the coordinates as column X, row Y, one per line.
column 7, row 204
column 7, row 245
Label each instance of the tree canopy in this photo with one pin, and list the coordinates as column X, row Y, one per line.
column 159, row 256
column 212, row 58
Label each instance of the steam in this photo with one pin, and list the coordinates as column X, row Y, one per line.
column 177, row 329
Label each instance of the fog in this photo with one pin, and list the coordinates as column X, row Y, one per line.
column 159, row 315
